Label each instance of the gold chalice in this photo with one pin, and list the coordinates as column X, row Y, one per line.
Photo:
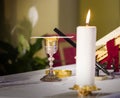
column 51, row 47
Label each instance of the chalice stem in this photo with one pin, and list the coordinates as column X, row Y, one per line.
column 51, row 59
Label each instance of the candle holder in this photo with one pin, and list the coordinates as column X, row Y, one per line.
column 51, row 47
column 85, row 90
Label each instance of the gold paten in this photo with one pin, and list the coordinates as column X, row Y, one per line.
column 61, row 73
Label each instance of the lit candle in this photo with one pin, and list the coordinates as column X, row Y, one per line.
column 85, row 51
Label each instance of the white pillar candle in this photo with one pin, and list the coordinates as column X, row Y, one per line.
column 85, row 51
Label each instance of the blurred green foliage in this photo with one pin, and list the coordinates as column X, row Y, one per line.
column 19, row 57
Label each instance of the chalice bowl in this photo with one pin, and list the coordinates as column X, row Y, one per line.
column 51, row 47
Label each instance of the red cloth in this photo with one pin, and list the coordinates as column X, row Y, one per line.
column 69, row 55
column 113, row 55
column 57, row 61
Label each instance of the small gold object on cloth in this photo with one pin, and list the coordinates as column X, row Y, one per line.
column 84, row 90
column 61, row 73
column 101, row 77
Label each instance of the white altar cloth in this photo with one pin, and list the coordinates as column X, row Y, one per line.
column 28, row 85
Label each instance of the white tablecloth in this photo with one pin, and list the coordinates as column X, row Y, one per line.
column 28, row 85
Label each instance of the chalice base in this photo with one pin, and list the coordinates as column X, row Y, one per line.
column 50, row 78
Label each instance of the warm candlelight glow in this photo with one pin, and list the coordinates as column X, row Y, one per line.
column 88, row 17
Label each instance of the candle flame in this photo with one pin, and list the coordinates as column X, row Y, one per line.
column 88, row 17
